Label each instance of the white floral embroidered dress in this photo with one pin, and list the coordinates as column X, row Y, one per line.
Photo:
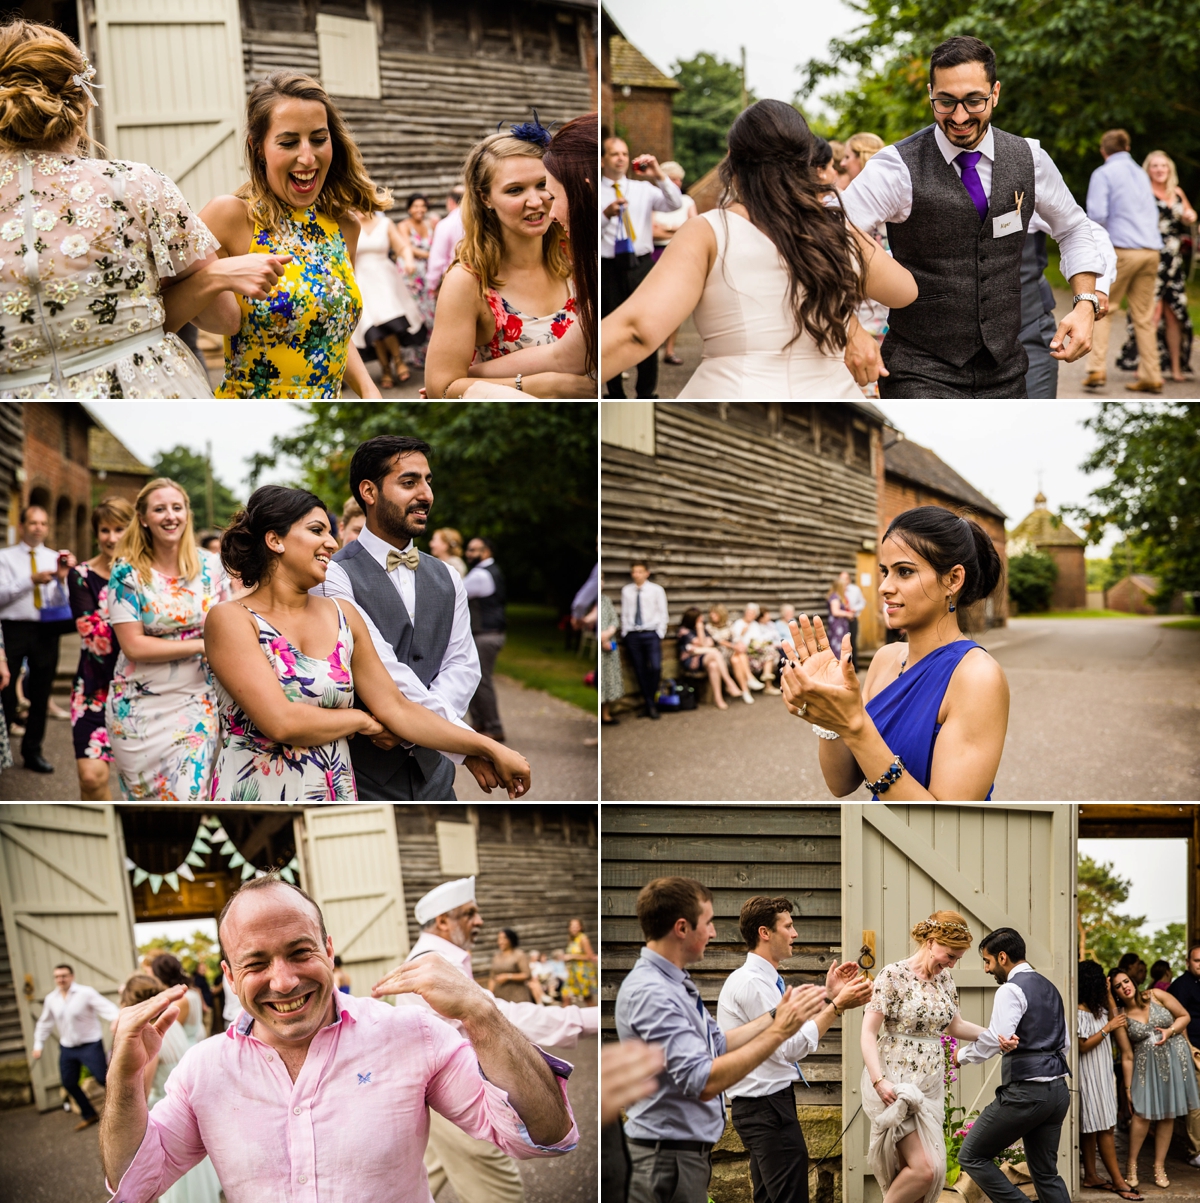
column 83, row 245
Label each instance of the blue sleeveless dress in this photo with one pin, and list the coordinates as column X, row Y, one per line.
column 906, row 712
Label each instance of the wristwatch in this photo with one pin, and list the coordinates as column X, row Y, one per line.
column 1087, row 296
column 771, row 1012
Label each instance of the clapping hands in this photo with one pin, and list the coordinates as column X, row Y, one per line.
column 818, row 683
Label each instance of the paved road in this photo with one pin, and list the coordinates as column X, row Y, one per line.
column 43, row 1160
column 1102, row 710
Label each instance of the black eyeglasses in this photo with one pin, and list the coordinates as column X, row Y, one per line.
column 973, row 104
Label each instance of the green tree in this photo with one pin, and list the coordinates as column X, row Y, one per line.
column 1105, row 934
column 184, row 465
column 198, row 951
column 1031, row 577
column 1057, row 64
column 703, row 112
column 522, row 474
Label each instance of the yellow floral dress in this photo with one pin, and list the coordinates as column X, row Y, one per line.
column 296, row 341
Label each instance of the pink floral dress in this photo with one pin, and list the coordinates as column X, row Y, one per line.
column 98, row 653
column 516, row 330
column 252, row 768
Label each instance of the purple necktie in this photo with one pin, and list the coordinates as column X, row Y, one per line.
column 970, row 178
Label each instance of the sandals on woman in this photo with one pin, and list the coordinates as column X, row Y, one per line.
column 1131, row 1196
column 1160, row 1177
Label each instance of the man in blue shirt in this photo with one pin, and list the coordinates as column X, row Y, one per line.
column 671, row 1133
column 1121, row 199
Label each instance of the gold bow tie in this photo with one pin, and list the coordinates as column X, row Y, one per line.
column 410, row 559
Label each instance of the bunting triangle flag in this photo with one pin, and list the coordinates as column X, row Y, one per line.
column 260, row 873
column 247, row 870
column 287, row 874
column 129, row 865
column 198, row 845
column 236, row 859
column 172, row 879
column 139, row 875
column 185, row 871
column 219, row 834
column 211, row 821
column 156, row 880
column 194, row 859
column 227, row 848
column 294, row 864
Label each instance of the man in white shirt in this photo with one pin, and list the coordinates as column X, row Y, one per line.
column 34, row 610
column 643, row 628
column 857, row 604
column 764, row 1102
column 73, row 1012
column 447, row 235
column 484, row 586
column 957, row 198
column 627, row 209
column 1032, row 1100
column 415, row 608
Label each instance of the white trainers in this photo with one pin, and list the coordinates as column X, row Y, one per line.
column 1195, row 1161
column 755, row 684
column 748, row 698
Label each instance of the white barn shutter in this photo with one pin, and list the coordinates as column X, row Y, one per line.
column 349, row 52
column 174, row 93
column 1000, row 865
column 354, row 874
column 65, row 899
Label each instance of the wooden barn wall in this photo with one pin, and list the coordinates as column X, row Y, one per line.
column 737, row 852
column 12, row 441
column 743, row 501
column 449, row 72
column 537, row 870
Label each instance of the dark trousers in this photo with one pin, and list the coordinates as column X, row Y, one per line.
column 645, row 654
column 485, row 714
column 769, row 1129
column 854, row 642
column 1041, row 380
column 69, row 1061
column 1033, row 1111
column 36, row 642
column 616, row 286
column 404, row 783
column 915, row 372
column 668, row 1175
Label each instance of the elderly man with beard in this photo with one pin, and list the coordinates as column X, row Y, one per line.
column 316, row 1095
column 450, row 924
column 415, row 607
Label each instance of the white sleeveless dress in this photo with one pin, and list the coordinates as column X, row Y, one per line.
column 746, row 322
column 385, row 297
column 200, row 1184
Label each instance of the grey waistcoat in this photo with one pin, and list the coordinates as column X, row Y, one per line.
column 421, row 649
column 969, row 282
column 1042, row 1031
column 1037, row 297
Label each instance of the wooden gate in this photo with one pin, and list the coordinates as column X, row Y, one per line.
column 174, row 95
column 353, row 871
column 64, row 898
column 1010, row 865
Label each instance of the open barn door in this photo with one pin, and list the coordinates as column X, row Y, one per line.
column 1000, row 866
column 64, row 898
column 353, row 871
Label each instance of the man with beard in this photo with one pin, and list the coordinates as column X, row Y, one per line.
column 484, row 584
column 958, row 198
column 479, row 1171
column 416, row 610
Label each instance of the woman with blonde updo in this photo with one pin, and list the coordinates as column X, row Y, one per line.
column 915, row 1002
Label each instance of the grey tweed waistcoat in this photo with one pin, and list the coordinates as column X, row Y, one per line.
column 969, row 282
column 422, row 648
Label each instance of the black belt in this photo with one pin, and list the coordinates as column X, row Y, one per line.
column 679, row 1146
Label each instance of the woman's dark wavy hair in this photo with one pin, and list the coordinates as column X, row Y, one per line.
column 270, row 508
column 769, row 169
column 169, row 971
column 514, row 941
column 1092, row 987
column 573, row 158
column 945, row 539
column 1137, row 997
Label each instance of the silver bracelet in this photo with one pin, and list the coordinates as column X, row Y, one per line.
column 517, row 383
column 823, row 733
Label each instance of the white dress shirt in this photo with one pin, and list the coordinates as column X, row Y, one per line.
column 16, row 583
column 456, row 681
column 748, row 993
column 1008, row 1008
column 882, row 192
column 74, row 1019
column 654, row 609
column 642, row 197
column 1104, row 245
column 479, row 583
column 854, row 595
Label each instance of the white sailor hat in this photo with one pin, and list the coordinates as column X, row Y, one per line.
column 444, row 898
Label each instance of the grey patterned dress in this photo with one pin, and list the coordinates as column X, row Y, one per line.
column 1164, row 1078
column 611, row 687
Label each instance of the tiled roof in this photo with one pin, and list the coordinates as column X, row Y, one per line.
column 1044, row 529
column 106, row 452
column 918, row 464
column 632, row 69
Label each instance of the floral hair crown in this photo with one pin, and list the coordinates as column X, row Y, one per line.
column 928, row 927
column 530, row 131
column 84, row 81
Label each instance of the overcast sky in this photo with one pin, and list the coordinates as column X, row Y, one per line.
column 1006, row 449
column 779, row 35
column 1157, row 872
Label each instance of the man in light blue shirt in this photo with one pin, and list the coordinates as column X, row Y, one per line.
column 1121, row 199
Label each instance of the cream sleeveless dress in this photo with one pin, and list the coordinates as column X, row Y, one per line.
column 747, row 326
column 385, row 297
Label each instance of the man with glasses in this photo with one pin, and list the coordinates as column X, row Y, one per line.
column 958, row 198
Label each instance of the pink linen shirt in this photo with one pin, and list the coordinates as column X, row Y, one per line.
column 353, row 1126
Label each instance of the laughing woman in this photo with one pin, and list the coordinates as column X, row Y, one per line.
column 929, row 720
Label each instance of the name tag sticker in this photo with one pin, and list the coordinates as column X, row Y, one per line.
column 1006, row 223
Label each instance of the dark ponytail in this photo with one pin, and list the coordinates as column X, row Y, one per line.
column 945, row 539
column 270, row 508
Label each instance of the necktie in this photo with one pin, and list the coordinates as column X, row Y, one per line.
column 37, row 589
column 779, row 986
column 625, row 214
column 409, row 558
column 637, row 614
column 971, row 181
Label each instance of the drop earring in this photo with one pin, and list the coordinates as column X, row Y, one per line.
column 951, row 601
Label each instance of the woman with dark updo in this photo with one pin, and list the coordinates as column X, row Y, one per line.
column 290, row 668
column 929, row 720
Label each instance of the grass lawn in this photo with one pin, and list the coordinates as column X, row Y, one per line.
column 534, row 654
column 1184, row 624
column 1082, row 614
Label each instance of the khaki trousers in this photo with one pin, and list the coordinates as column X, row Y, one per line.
column 1137, row 278
column 478, row 1171
column 1192, row 1123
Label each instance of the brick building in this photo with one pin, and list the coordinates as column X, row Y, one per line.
column 12, row 436
column 1134, row 594
column 1050, row 535
column 914, row 475
column 56, row 476
column 642, row 99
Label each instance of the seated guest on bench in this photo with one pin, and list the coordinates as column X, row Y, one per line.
column 698, row 653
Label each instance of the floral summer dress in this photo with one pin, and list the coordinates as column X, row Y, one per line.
column 251, row 767
column 162, row 717
column 1164, row 1077
column 516, row 330
column 295, row 342
column 88, row 591
column 83, row 245
column 581, row 975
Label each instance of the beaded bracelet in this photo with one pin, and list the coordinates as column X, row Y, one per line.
column 888, row 779
column 823, row 733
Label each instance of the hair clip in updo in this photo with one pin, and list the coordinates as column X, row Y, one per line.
column 531, row 131
column 84, row 81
